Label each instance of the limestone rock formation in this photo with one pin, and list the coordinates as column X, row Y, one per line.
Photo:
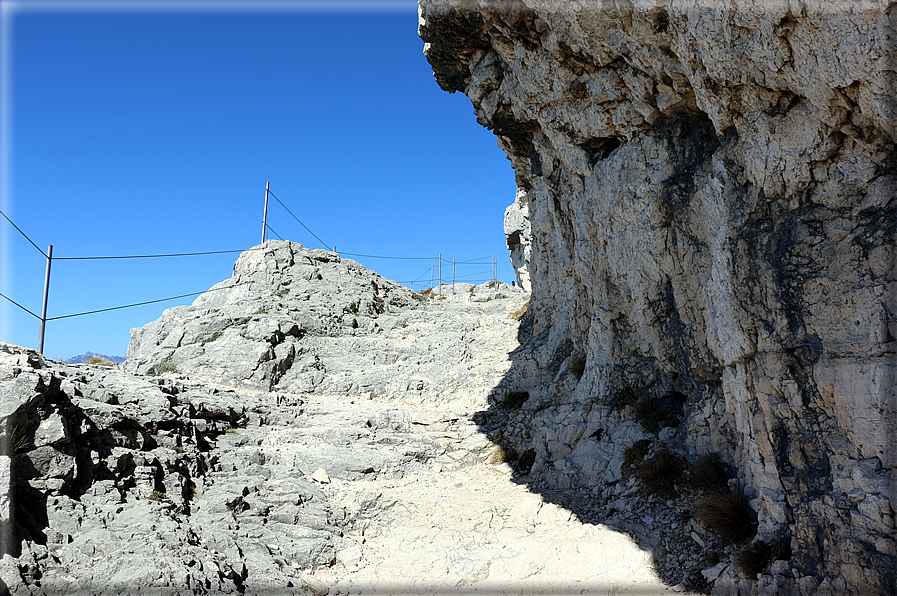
column 195, row 478
column 298, row 320
column 709, row 189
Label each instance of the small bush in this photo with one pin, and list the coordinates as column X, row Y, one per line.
column 708, row 473
column 515, row 399
column 577, row 367
column 753, row 559
column 426, row 293
column 96, row 360
column 659, row 473
column 260, row 311
column 156, row 495
column 518, row 314
column 281, row 293
column 726, row 512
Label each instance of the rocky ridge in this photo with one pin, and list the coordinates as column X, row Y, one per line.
column 705, row 213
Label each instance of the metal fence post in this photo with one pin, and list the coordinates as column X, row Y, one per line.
column 265, row 216
column 43, row 312
column 440, row 274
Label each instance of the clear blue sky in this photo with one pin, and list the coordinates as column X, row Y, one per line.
column 130, row 130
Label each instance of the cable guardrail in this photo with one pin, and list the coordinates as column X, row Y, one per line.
column 24, row 234
column 432, row 270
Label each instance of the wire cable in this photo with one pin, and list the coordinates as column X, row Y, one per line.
column 20, row 306
column 273, row 232
column 300, row 222
column 26, row 238
column 91, row 312
column 479, row 261
column 180, row 254
column 472, row 274
column 353, row 254
column 423, row 274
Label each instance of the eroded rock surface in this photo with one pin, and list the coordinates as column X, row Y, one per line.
column 170, row 483
column 709, row 193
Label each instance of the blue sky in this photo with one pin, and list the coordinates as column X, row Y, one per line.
column 131, row 129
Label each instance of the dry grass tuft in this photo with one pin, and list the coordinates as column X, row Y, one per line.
column 518, row 314
column 515, row 399
column 635, row 455
column 20, row 440
column 726, row 512
column 623, row 398
column 498, row 456
column 97, row 361
column 660, row 473
column 752, row 560
column 708, row 473
column 647, row 415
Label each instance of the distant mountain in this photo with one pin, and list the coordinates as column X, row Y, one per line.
column 88, row 355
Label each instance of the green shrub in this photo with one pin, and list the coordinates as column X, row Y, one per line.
column 156, row 495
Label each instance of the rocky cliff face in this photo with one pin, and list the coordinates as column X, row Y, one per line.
column 708, row 191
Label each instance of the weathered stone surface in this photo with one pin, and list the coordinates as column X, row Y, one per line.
column 248, row 330
column 175, row 483
column 709, row 190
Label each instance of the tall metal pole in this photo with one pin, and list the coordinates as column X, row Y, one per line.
column 43, row 312
column 431, row 277
column 453, row 277
column 494, row 270
column 440, row 274
column 265, row 216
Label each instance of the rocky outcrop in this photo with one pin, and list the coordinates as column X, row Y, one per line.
column 297, row 320
column 195, row 478
column 709, row 192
